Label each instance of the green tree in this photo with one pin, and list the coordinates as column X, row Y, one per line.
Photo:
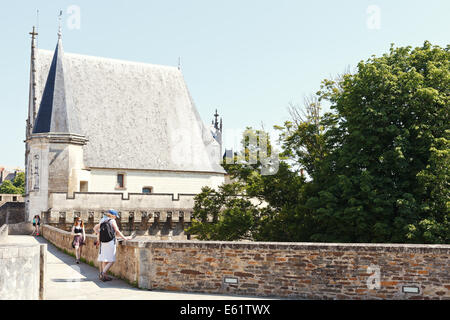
column 223, row 214
column 434, row 223
column 386, row 176
column 17, row 186
column 19, row 180
column 275, row 197
column 377, row 165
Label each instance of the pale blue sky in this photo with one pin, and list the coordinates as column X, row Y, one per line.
column 248, row 58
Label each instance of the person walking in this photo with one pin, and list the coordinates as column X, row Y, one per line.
column 106, row 231
column 36, row 224
column 79, row 237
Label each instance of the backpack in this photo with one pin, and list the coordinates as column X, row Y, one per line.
column 107, row 232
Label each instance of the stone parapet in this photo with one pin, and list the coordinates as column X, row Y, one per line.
column 12, row 212
column 158, row 224
column 297, row 270
column 125, row 266
column 3, row 233
column 9, row 197
column 22, row 271
column 157, row 216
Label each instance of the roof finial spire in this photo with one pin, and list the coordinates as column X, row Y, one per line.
column 216, row 123
column 32, row 102
column 179, row 63
column 59, row 26
column 33, row 37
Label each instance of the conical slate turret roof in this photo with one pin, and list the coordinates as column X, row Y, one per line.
column 55, row 108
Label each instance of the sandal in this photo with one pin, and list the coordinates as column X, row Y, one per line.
column 104, row 277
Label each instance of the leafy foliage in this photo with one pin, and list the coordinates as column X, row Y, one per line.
column 17, row 186
column 232, row 217
column 377, row 166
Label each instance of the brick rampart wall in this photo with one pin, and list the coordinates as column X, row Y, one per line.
column 298, row 270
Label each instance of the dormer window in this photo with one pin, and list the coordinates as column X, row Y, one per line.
column 120, row 181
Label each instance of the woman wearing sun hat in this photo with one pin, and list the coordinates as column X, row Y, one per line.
column 106, row 231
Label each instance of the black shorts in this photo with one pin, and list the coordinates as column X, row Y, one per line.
column 34, row 224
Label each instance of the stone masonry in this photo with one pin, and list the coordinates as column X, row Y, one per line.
column 12, row 212
column 297, row 270
column 156, row 216
column 22, row 269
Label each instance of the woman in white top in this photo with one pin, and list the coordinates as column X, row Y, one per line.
column 107, row 254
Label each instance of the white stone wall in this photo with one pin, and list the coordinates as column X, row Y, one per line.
column 56, row 161
column 19, row 271
column 105, row 180
column 76, row 165
column 86, row 201
column 36, row 200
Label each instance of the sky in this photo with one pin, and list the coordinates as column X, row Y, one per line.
column 249, row 59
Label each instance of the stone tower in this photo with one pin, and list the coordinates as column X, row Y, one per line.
column 54, row 153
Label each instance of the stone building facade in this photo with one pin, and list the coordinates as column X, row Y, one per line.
column 155, row 216
column 116, row 134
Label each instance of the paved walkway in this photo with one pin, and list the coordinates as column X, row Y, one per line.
column 66, row 280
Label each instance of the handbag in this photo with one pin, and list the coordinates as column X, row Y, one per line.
column 73, row 243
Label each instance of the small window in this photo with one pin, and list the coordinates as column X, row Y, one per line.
column 14, row 198
column 83, row 186
column 120, row 180
column 147, row 190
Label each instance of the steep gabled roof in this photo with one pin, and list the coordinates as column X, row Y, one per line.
column 135, row 115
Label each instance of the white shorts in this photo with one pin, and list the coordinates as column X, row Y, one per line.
column 107, row 251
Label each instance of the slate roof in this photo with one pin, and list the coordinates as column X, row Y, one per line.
column 56, row 107
column 135, row 115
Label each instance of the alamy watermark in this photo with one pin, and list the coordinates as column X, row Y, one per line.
column 373, row 281
column 373, row 21
column 258, row 148
column 74, row 17
column 187, row 152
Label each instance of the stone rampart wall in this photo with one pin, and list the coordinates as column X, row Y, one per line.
column 12, row 212
column 298, row 270
column 10, row 197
